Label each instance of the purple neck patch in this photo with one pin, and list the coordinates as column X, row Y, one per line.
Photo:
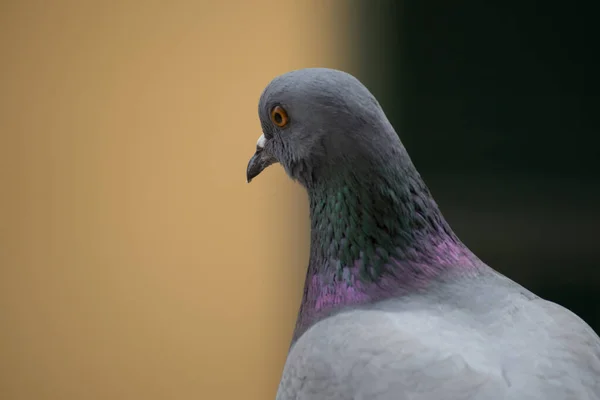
column 326, row 291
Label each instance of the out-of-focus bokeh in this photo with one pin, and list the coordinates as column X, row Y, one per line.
column 135, row 261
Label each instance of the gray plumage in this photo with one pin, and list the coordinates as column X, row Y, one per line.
column 395, row 306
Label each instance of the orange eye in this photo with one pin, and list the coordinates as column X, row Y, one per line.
column 279, row 116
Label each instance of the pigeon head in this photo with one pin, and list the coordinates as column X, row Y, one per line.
column 317, row 121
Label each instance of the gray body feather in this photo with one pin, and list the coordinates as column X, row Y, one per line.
column 484, row 338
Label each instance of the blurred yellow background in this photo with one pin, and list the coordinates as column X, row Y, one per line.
column 135, row 261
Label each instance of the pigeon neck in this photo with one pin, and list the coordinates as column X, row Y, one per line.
column 374, row 237
column 364, row 221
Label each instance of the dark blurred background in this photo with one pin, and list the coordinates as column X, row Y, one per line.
column 497, row 103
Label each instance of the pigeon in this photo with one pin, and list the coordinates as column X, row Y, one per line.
column 395, row 306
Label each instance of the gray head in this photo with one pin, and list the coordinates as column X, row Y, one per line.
column 316, row 121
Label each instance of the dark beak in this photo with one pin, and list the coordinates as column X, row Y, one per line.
column 259, row 161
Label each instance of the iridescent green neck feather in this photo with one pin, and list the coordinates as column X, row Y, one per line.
column 368, row 218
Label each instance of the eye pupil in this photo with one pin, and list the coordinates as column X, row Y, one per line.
column 278, row 118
